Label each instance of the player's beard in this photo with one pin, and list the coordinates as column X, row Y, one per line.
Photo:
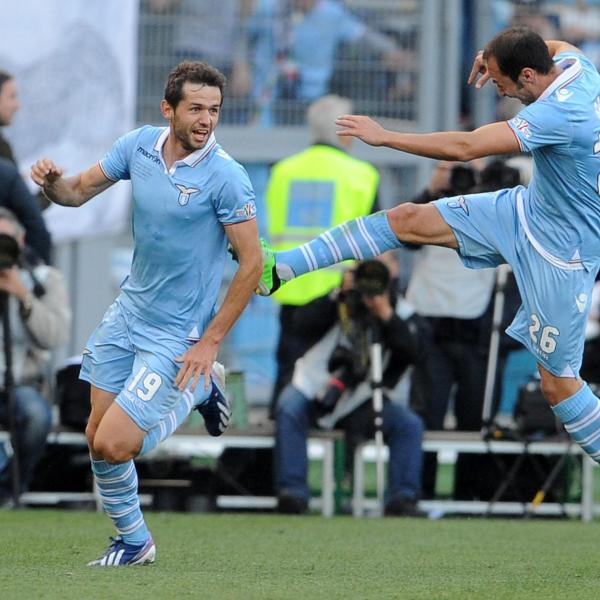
column 185, row 137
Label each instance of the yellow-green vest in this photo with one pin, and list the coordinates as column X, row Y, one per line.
column 309, row 193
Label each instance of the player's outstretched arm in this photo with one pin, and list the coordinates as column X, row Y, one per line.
column 68, row 191
column 496, row 138
column 198, row 360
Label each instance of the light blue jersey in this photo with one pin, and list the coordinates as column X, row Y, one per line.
column 561, row 207
column 178, row 226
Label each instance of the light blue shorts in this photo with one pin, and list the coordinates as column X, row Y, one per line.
column 555, row 299
column 136, row 361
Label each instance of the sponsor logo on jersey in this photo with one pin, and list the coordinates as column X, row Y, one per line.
column 148, row 155
column 248, row 210
column 522, row 126
column 461, row 203
column 185, row 193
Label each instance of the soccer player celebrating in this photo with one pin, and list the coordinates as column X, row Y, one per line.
column 548, row 232
column 150, row 361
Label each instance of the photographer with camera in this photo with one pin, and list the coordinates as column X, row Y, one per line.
column 331, row 387
column 38, row 311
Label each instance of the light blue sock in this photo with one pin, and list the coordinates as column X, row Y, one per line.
column 359, row 239
column 580, row 414
column 171, row 421
column 118, row 488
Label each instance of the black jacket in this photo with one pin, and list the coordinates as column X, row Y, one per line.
column 15, row 196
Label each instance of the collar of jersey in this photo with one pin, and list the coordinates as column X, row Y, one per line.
column 567, row 76
column 191, row 160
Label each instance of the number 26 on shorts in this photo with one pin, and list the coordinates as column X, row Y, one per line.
column 546, row 339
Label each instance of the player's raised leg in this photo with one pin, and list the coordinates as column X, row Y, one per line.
column 359, row 239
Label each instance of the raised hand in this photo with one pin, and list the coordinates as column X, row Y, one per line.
column 479, row 69
column 45, row 172
column 364, row 128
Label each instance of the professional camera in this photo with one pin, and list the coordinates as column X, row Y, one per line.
column 349, row 361
column 462, row 179
column 9, row 251
column 371, row 278
column 498, row 175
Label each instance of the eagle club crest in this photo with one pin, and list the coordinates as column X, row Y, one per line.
column 461, row 203
column 185, row 193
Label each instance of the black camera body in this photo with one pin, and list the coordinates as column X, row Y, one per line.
column 9, row 251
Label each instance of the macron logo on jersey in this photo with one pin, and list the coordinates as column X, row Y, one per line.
column 149, row 155
column 581, row 302
column 523, row 126
column 597, row 106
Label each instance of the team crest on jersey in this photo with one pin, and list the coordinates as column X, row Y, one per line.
column 522, row 126
column 461, row 203
column 248, row 210
column 185, row 193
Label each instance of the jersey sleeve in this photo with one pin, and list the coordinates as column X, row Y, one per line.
column 543, row 123
column 115, row 163
column 235, row 200
column 349, row 28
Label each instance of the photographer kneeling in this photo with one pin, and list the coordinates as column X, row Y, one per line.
column 331, row 387
column 40, row 318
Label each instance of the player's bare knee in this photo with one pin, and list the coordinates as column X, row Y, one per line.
column 113, row 451
column 549, row 390
column 403, row 219
column 557, row 389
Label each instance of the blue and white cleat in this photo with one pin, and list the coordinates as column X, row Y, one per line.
column 216, row 409
column 121, row 554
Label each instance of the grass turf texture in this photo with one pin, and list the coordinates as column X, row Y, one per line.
column 43, row 555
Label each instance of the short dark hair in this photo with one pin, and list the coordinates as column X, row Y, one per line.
column 518, row 48
column 193, row 72
column 4, row 77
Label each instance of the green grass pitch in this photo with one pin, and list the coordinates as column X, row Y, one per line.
column 242, row 556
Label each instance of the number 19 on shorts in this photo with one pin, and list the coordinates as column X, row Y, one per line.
column 544, row 339
column 147, row 387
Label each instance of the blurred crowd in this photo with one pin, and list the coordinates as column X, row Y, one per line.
column 280, row 55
